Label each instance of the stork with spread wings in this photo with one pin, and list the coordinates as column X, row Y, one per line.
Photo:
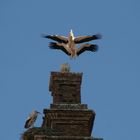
column 68, row 44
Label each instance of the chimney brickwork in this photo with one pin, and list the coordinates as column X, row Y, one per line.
column 67, row 118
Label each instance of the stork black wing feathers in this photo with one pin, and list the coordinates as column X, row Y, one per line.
column 57, row 38
column 27, row 123
column 54, row 45
column 87, row 47
column 82, row 39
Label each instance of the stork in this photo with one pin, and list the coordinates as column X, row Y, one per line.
column 31, row 119
column 68, row 44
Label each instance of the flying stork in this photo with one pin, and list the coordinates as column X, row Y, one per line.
column 68, row 44
column 31, row 119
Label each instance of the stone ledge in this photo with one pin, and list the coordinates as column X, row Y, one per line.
column 38, row 137
column 68, row 106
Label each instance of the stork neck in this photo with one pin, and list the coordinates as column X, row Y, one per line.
column 71, row 36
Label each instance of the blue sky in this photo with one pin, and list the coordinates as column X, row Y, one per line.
column 111, row 77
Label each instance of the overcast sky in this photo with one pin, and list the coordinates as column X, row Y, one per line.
column 111, row 76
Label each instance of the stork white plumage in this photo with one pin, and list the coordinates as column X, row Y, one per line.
column 31, row 119
column 68, row 44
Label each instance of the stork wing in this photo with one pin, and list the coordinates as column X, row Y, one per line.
column 58, row 46
column 87, row 47
column 27, row 124
column 82, row 39
column 31, row 119
column 58, row 38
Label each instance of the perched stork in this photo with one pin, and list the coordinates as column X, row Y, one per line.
column 68, row 44
column 31, row 119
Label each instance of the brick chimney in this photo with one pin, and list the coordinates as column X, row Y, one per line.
column 67, row 118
